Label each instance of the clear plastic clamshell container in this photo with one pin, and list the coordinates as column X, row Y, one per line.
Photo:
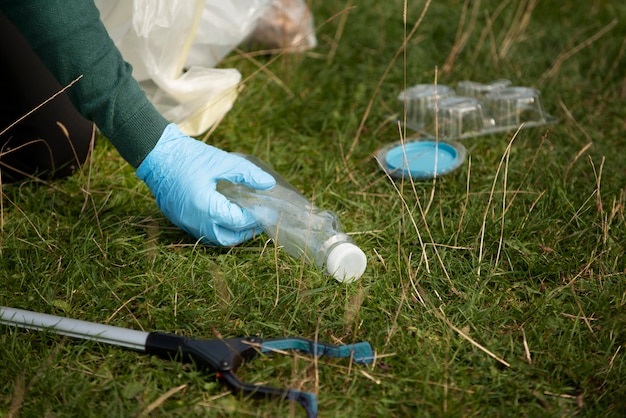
column 473, row 109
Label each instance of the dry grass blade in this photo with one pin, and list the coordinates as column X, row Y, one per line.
column 48, row 100
column 339, row 32
column 160, row 400
column 392, row 62
column 264, row 68
column 412, row 219
column 30, row 222
column 441, row 315
column 483, row 228
column 582, row 151
column 526, row 348
column 463, row 34
column 17, row 398
column 482, row 348
column 518, row 27
column 564, row 56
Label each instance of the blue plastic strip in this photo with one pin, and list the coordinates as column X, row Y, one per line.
column 360, row 352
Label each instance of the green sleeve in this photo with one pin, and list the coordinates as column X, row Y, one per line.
column 71, row 40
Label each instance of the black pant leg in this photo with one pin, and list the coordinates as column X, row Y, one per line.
column 51, row 142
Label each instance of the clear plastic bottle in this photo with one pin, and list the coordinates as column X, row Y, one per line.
column 298, row 226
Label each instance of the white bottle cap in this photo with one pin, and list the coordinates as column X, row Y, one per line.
column 346, row 262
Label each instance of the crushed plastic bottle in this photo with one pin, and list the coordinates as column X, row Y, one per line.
column 298, row 226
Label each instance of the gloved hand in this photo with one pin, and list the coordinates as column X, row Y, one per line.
column 182, row 174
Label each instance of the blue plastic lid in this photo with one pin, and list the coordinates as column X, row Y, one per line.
column 421, row 159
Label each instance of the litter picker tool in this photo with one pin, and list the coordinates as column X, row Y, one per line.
column 222, row 356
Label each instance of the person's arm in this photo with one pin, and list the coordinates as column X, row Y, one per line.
column 71, row 40
column 181, row 172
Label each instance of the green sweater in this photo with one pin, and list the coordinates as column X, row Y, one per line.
column 71, row 40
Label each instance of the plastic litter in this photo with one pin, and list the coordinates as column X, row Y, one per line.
column 420, row 159
column 302, row 229
column 437, row 111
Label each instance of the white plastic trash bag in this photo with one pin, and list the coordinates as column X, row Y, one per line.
column 173, row 46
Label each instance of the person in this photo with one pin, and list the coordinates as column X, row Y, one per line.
column 47, row 45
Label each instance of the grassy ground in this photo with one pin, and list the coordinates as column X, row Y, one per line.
column 498, row 290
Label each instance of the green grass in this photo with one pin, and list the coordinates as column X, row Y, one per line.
column 498, row 290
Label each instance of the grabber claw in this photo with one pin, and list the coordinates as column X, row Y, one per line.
column 226, row 355
column 222, row 356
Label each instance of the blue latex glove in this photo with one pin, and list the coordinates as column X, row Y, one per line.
column 182, row 174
